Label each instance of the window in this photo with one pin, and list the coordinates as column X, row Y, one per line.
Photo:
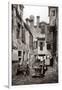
column 35, row 44
column 41, row 45
column 48, row 29
column 18, row 31
column 48, row 46
column 43, row 29
column 53, row 12
column 23, row 35
column 19, row 59
column 19, row 25
column 19, row 53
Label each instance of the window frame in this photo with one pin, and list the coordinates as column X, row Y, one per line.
column 48, row 48
column 41, row 46
column 19, row 54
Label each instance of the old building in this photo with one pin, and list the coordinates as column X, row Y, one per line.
column 17, row 13
column 14, row 26
column 22, row 39
column 53, row 23
column 41, row 47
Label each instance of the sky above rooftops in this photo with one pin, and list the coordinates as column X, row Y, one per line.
column 41, row 11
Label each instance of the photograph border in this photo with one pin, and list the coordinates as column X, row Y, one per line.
column 10, row 39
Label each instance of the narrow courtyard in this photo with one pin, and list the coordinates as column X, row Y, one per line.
column 51, row 76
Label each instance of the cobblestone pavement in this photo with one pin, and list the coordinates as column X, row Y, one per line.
column 51, row 76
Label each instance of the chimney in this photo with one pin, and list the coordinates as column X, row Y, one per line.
column 38, row 21
column 31, row 21
column 27, row 21
column 21, row 6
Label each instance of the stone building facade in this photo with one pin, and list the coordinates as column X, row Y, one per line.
column 40, row 44
column 53, row 23
column 22, row 38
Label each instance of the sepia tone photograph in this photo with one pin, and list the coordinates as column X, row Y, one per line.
column 34, row 44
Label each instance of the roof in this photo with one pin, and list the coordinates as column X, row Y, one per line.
column 43, row 23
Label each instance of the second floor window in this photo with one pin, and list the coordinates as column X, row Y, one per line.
column 53, row 13
column 48, row 46
column 18, row 32
column 43, row 29
column 23, row 35
column 19, row 53
column 41, row 45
